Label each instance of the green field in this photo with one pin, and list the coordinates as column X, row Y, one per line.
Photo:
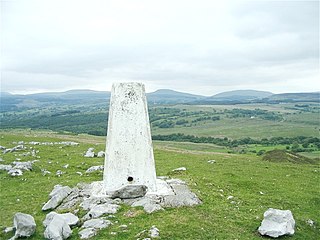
column 256, row 185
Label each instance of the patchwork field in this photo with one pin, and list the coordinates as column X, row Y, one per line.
column 255, row 185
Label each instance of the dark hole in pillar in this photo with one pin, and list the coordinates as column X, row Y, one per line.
column 130, row 179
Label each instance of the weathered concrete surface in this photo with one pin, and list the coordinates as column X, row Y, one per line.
column 129, row 155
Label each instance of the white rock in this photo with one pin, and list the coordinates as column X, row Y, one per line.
column 212, row 161
column 56, row 196
column 59, row 173
column 230, row 197
column 150, row 208
column 101, row 209
column 87, row 233
column 8, row 229
column 310, row 222
column 154, row 232
column 89, row 153
column 70, row 218
column 15, row 172
column 24, row 224
column 57, row 229
column 130, row 191
column 277, row 223
column 23, row 165
column 101, row 154
column 179, row 169
column 95, row 168
column 97, row 223
column 66, row 166
column 5, row 167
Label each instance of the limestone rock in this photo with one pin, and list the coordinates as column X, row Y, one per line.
column 150, row 208
column 70, row 218
column 15, row 172
column 277, row 223
column 101, row 154
column 24, row 224
column 89, row 203
column 5, row 167
column 23, row 165
column 56, row 197
column 95, row 168
column 87, row 233
column 98, row 223
column 57, row 229
column 130, row 191
column 154, row 232
column 183, row 197
column 89, row 153
column 101, row 209
column 179, row 169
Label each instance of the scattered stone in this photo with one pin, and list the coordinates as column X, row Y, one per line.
column 98, row 223
column 56, row 196
column 45, row 172
column 59, row 173
column 70, row 218
column 95, row 168
column 130, row 191
column 277, row 223
column 101, row 154
column 154, row 232
column 99, row 210
column 182, row 197
column 5, row 167
column 212, row 161
column 89, row 153
column 87, row 233
column 23, row 165
column 8, row 229
column 150, row 208
column 57, row 229
column 179, row 169
column 80, row 173
column 123, row 226
column 15, row 172
column 24, row 224
column 310, row 222
column 66, row 166
column 230, row 197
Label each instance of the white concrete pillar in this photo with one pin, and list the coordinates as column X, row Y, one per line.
column 129, row 154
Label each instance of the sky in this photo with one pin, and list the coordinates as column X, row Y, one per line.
column 196, row 46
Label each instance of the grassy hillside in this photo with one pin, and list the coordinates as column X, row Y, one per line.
column 255, row 185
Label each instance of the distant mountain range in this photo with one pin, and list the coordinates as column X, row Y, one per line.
column 162, row 96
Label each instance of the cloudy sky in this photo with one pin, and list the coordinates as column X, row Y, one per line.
column 195, row 46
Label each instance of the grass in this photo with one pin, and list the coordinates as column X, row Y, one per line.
column 255, row 184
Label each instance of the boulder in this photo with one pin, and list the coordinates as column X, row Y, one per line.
column 277, row 223
column 99, row 210
column 23, row 165
column 183, row 197
column 57, row 229
column 70, row 218
column 24, row 224
column 15, row 172
column 154, row 232
column 89, row 153
column 101, row 154
column 179, row 169
column 5, row 167
column 150, row 208
column 56, row 196
column 98, row 223
column 95, row 168
column 130, row 191
column 87, row 233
